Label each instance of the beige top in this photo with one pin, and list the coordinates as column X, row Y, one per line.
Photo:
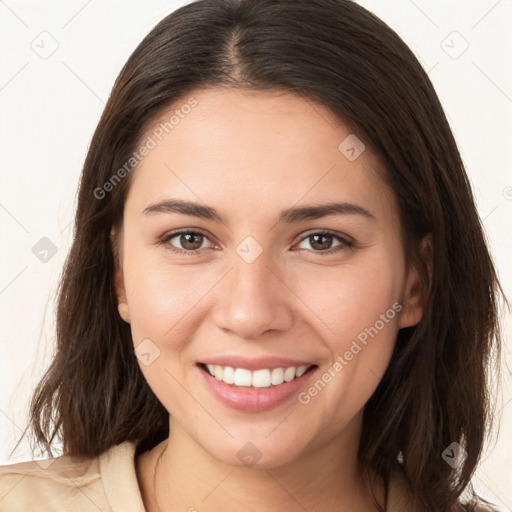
column 107, row 483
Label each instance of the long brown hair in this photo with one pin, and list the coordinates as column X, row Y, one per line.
column 336, row 53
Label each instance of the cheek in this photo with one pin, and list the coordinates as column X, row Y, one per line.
column 161, row 296
column 358, row 316
column 164, row 304
column 341, row 302
column 350, row 299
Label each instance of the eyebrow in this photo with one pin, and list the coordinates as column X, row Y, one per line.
column 288, row 216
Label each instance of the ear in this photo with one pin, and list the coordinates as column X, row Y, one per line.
column 122, row 303
column 415, row 293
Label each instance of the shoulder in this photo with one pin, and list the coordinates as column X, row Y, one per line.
column 64, row 483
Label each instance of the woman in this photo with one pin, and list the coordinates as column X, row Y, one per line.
column 324, row 342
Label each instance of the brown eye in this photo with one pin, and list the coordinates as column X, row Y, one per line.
column 190, row 241
column 322, row 243
column 185, row 242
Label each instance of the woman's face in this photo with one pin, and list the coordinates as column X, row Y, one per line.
column 272, row 284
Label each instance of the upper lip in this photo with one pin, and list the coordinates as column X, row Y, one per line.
column 255, row 363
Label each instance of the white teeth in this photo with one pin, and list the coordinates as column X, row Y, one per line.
column 301, row 370
column 277, row 376
column 229, row 375
column 218, row 372
column 261, row 379
column 258, row 378
column 289, row 374
column 242, row 377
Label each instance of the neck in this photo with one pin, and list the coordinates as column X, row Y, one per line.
column 179, row 475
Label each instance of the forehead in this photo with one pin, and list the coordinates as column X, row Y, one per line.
column 255, row 149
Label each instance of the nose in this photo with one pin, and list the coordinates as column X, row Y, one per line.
column 253, row 298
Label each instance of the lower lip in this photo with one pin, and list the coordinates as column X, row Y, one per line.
column 249, row 399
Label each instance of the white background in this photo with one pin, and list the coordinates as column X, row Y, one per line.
column 50, row 107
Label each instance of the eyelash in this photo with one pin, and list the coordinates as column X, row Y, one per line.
column 345, row 242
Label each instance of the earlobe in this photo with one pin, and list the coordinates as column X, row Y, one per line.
column 412, row 304
column 124, row 312
column 416, row 291
column 122, row 303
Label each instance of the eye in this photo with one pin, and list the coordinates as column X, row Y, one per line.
column 190, row 242
column 321, row 242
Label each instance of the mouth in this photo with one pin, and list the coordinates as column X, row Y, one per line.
column 256, row 379
column 254, row 391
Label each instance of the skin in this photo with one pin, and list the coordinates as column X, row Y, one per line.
column 251, row 155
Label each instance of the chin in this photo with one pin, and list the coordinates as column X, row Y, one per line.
column 256, row 452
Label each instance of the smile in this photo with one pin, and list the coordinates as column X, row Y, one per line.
column 258, row 390
column 263, row 378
